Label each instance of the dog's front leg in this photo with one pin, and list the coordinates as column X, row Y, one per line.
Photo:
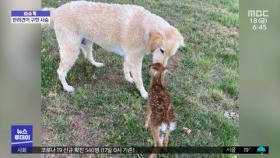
column 127, row 70
column 136, row 71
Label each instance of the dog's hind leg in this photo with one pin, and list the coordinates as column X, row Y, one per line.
column 69, row 52
column 86, row 46
column 66, row 62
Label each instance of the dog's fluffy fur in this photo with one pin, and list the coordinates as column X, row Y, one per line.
column 127, row 30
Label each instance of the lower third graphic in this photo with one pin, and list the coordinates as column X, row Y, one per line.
column 21, row 139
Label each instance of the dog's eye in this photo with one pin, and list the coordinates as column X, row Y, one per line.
column 161, row 50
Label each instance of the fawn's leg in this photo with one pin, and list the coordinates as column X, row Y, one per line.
column 149, row 112
column 166, row 138
column 155, row 134
column 152, row 155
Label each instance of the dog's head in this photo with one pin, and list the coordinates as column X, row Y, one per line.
column 165, row 44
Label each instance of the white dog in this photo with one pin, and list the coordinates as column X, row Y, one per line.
column 127, row 30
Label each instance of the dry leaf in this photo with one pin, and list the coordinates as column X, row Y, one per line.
column 186, row 130
column 52, row 94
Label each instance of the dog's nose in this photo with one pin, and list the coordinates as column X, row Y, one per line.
column 158, row 61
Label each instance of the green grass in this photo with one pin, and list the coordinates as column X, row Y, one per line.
column 107, row 110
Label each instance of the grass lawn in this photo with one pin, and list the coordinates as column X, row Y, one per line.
column 106, row 110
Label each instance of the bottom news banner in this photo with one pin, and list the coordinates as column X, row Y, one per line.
column 143, row 150
column 139, row 78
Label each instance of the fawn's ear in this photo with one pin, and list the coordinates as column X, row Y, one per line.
column 169, row 69
column 155, row 41
column 153, row 71
column 156, row 73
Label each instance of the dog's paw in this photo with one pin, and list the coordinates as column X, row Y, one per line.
column 144, row 94
column 69, row 89
column 129, row 79
column 98, row 64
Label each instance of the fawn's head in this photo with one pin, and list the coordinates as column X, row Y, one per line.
column 157, row 71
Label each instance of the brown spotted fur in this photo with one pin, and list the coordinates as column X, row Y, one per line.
column 160, row 109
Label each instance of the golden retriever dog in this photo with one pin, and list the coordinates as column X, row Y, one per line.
column 127, row 30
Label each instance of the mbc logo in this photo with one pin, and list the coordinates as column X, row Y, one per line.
column 257, row 13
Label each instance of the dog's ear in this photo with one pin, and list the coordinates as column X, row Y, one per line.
column 155, row 41
column 173, row 33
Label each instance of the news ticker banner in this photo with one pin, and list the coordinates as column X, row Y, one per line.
column 22, row 143
column 30, row 16
column 143, row 150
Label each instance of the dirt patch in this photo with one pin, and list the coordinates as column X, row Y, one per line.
column 231, row 115
column 215, row 75
column 233, row 31
column 47, row 135
column 115, row 78
column 216, row 28
column 79, row 127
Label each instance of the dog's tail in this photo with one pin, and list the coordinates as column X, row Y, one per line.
column 50, row 24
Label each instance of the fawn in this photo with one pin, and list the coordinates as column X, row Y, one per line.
column 160, row 112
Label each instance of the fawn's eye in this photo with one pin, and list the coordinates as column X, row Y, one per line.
column 161, row 50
